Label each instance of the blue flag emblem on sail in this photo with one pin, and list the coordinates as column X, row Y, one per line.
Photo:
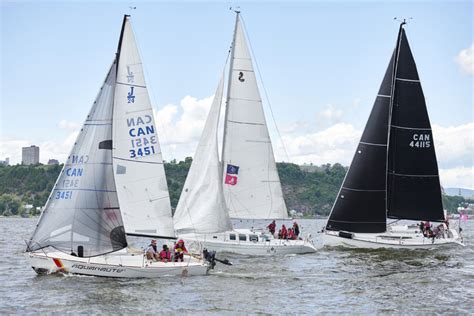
column 231, row 169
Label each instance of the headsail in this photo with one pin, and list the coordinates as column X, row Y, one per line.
column 413, row 187
column 83, row 209
column 138, row 164
column 360, row 204
column 252, row 187
column 201, row 207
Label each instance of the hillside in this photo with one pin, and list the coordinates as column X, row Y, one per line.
column 465, row 193
column 310, row 191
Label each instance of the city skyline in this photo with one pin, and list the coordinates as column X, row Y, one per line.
column 321, row 64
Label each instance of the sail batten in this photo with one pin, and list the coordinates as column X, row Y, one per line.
column 252, row 187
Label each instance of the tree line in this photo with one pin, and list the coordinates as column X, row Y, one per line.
column 310, row 190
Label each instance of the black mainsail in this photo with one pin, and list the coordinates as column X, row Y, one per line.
column 400, row 180
column 413, row 187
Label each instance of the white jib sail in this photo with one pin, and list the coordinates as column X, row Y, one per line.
column 252, row 186
column 201, row 207
column 138, row 165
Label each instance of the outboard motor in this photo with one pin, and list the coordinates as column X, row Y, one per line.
column 210, row 257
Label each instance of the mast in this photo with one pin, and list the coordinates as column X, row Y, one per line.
column 392, row 96
column 229, row 81
column 119, row 47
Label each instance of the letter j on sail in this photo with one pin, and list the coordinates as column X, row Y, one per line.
column 130, row 96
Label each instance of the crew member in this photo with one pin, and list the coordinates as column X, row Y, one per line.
column 152, row 251
column 165, row 254
column 179, row 251
column 271, row 227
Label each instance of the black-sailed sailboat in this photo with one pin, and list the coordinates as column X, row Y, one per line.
column 394, row 172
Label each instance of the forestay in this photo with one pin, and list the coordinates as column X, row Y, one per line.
column 83, row 209
column 138, row 165
column 201, row 207
column 252, row 186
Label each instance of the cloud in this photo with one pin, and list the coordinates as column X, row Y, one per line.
column 334, row 144
column 454, row 145
column 465, row 60
column 64, row 124
column 48, row 149
column 330, row 114
column 180, row 126
column 460, row 177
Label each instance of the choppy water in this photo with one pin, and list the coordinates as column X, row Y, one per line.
column 330, row 281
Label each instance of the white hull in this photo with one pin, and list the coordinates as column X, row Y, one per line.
column 261, row 245
column 393, row 239
column 119, row 264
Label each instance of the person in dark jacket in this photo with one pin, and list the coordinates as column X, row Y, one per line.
column 271, row 227
column 296, row 229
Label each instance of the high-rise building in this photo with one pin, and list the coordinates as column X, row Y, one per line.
column 5, row 162
column 30, row 155
column 53, row 162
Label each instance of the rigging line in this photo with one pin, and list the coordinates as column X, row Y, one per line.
column 264, row 89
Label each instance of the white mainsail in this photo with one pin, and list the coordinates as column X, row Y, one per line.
column 201, row 207
column 252, row 186
column 83, row 210
column 138, row 164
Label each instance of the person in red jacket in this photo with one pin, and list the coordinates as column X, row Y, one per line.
column 165, row 254
column 291, row 234
column 271, row 227
column 179, row 251
column 284, row 232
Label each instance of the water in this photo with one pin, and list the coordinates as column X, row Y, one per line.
column 330, row 281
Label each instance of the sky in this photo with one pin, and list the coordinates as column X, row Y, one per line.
column 321, row 64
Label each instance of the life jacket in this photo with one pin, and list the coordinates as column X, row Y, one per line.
column 165, row 255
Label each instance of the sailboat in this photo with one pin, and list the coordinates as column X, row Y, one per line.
column 245, row 183
column 394, row 172
column 112, row 185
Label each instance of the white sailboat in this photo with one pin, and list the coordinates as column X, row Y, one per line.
column 394, row 172
column 245, row 184
column 112, row 185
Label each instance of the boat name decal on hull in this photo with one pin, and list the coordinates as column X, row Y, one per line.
column 84, row 267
